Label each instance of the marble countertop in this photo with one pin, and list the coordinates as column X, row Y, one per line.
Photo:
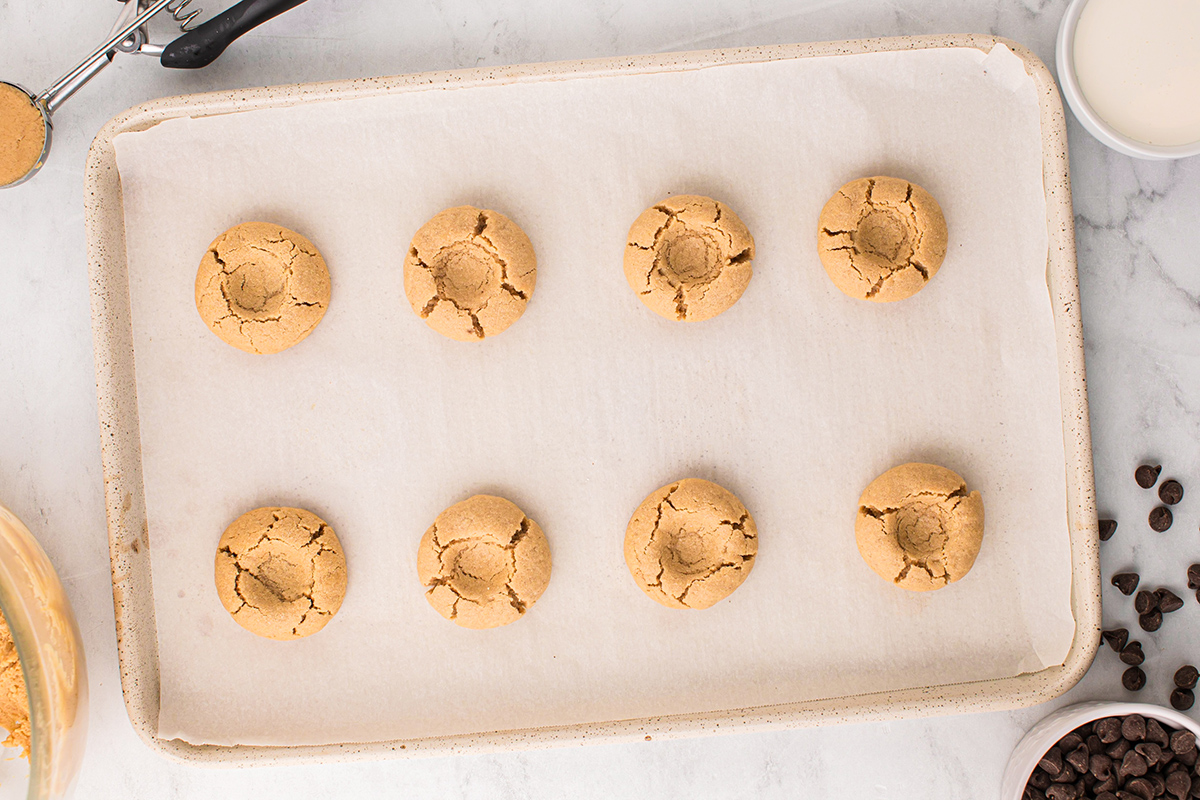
column 1138, row 268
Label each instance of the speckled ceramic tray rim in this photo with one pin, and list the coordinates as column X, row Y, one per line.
column 120, row 437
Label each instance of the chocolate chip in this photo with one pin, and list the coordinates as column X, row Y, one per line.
column 1107, row 528
column 1185, row 677
column 1116, row 638
column 1117, row 750
column 1187, row 757
column 1141, row 787
column 1171, row 492
column 1039, row 779
column 1155, row 733
column 1179, row 784
column 1070, row 742
column 1133, row 727
column 1133, row 679
column 1109, row 728
column 1193, row 574
column 1145, row 602
column 1094, row 745
column 1168, row 601
column 1100, row 766
column 1079, row 758
column 1134, row 763
column 1160, row 518
column 1160, row 785
column 1133, row 656
column 1109, row 784
column 1106, row 795
column 1152, row 621
column 1182, row 699
column 1151, row 752
column 1182, row 742
column 1052, row 762
column 1146, row 475
column 1068, row 775
column 1126, row 582
column 1062, row 792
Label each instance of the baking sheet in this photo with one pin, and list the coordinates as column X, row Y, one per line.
column 794, row 399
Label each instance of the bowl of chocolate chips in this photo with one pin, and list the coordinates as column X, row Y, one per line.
column 1106, row 751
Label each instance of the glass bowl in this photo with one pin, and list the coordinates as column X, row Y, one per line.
column 51, row 654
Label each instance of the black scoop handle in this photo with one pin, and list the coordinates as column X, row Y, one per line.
column 200, row 47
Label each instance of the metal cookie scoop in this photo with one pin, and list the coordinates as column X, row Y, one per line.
column 198, row 47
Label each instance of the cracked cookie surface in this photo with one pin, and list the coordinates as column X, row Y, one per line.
column 881, row 238
column 280, row 572
column 918, row 527
column 690, row 544
column 689, row 257
column 261, row 287
column 483, row 563
column 469, row 273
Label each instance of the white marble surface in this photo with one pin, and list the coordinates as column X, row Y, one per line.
column 1140, row 277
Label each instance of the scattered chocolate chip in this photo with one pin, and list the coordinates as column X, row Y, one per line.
column 1107, row 528
column 1126, row 582
column 1109, row 728
column 1133, row 656
column 1171, row 492
column 1193, row 574
column 1116, row 638
column 1182, row 699
column 1133, row 680
column 1185, row 677
column 1160, row 518
column 1133, row 727
column 1145, row 602
column 1182, row 742
column 1179, row 784
column 1152, row 621
column 1168, row 601
column 1146, row 475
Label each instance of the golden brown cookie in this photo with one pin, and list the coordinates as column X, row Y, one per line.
column 280, row 572
column 469, row 273
column 690, row 544
column 881, row 238
column 22, row 134
column 689, row 257
column 261, row 287
column 483, row 562
column 918, row 526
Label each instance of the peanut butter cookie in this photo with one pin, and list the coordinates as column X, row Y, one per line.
column 280, row 572
column 483, row 562
column 881, row 238
column 690, row 544
column 918, row 526
column 689, row 257
column 469, row 273
column 261, row 287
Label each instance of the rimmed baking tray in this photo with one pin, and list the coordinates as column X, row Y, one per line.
column 121, row 434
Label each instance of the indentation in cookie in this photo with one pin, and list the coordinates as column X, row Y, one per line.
column 881, row 238
column 469, row 273
column 689, row 257
column 280, row 572
column 919, row 527
column 690, row 544
column 261, row 287
column 483, row 562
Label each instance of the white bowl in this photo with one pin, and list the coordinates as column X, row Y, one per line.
column 1064, row 57
column 1045, row 734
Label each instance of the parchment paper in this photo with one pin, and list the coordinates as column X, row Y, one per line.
column 794, row 399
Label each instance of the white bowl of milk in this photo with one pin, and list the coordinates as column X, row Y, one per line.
column 1130, row 70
